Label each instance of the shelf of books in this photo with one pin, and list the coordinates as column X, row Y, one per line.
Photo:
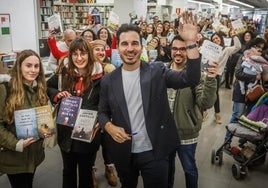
column 45, row 12
column 66, row 12
column 75, row 15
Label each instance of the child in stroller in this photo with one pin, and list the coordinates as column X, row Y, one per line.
column 252, row 131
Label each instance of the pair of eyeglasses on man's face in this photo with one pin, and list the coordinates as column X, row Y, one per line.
column 181, row 49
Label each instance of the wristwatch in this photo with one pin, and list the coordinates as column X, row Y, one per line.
column 191, row 46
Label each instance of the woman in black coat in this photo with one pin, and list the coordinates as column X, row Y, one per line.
column 79, row 77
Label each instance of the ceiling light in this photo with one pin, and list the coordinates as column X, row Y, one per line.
column 231, row 6
column 198, row 2
column 244, row 4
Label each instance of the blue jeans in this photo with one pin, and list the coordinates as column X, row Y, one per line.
column 186, row 155
column 238, row 110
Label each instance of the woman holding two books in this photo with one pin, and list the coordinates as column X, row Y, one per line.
column 80, row 77
column 19, row 158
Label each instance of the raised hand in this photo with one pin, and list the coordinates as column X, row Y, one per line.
column 51, row 34
column 188, row 29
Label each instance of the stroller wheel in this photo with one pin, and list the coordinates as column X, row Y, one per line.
column 243, row 171
column 213, row 156
column 216, row 157
column 236, row 171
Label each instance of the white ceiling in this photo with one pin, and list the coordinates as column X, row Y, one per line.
column 255, row 3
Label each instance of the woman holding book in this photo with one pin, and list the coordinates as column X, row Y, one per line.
column 80, row 77
column 98, row 47
column 217, row 38
column 26, row 89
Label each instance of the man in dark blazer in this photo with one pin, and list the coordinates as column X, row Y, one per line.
column 134, row 110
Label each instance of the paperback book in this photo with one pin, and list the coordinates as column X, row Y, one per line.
column 238, row 26
column 94, row 16
column 115, row 58
column 85, row 126
column 152, row 55
column 26, row 123
column 211, row 52
column 68, row 110
column 34, row 122
column 113, row 21
column 54, row 23
column 45, row 121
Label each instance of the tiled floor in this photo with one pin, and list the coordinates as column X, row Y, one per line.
column 210, row 176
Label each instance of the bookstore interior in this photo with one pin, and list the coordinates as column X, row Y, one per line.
column 22, row 29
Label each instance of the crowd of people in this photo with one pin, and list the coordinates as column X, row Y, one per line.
column 140, row 103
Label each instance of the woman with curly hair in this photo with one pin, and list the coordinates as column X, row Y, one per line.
column 110, row 39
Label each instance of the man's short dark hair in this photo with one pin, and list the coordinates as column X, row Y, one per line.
column 177, row 37
column 128, row 27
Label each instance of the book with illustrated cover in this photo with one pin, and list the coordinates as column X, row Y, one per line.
column 34, row 122
column 26, row 123
column 85, row 126
column 113, row 21
column 45, row 121
column 115, row 58
column 54, row 23
column 238, row 26
column 211, row 52
column 163, row 41
column 150, row 46
column 94, row 16
column 152, row 54
column 68, row 110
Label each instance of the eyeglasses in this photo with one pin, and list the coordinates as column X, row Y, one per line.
column 82, row 55
column 181, row 49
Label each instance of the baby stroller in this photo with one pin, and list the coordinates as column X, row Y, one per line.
column 253, row 140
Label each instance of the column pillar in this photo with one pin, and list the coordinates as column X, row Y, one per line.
column 218, row 8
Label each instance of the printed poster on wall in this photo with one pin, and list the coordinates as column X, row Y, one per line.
column 5, row 33
column 5, row 24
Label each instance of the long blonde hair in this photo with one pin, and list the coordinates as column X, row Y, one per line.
column 15, row 100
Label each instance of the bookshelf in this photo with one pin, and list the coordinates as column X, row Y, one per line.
column 45, row 12
column 66, row 11
column 75, row 15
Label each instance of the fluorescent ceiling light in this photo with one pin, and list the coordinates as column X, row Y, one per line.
column 200, row 2
column 231, row 6
column 244, row 4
